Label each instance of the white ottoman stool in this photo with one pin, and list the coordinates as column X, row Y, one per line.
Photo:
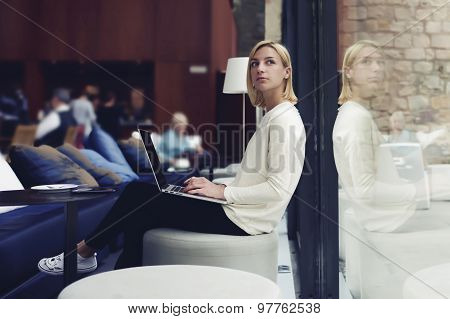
column 172, row 282
column 257, row 254
column 437, row 279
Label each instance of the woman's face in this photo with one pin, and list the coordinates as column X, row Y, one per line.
column 180, row 128
column 397, row 124
column 267, row 70
column 366, row 75
column 137, row 99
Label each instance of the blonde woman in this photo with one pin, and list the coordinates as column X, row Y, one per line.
column 381, row 201
column 256, row 199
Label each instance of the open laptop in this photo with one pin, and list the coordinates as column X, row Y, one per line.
column 156, row 167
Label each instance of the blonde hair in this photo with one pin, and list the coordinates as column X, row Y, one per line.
column 349, row 58
column 256, row 96
column 179, row 118
column 397, row 115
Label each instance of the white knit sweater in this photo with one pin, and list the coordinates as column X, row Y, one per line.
column 381, row 201
column 269, row 172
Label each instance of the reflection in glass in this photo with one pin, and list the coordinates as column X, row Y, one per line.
column 393, row 236
column 366, row 170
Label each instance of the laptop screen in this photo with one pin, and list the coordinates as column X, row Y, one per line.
column 152, row 156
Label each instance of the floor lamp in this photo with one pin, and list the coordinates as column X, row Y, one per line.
column 236, row 83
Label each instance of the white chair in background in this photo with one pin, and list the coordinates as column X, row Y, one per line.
column 440, row 181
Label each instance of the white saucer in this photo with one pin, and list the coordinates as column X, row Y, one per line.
column 54, row 187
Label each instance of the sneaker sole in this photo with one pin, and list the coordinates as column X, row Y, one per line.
column 59, row 273
column 85, row 270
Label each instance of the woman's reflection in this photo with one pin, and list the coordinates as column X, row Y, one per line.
column 381, row 201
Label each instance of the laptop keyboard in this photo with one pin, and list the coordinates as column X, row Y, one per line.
column 175, row 189
column 179, row 189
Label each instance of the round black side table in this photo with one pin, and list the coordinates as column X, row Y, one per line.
column 32, row 197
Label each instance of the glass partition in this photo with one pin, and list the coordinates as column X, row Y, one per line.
column 391, row 145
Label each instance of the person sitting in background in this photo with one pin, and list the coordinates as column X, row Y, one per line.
column 398, row 132
column 109, row 114
column 83, row 108
column 22, row 106
column 13, row 109
column 93, row 95
column 44, row 111
column 401, row 135
column 137, row 111
column 14, row 105
column 8, row 107
column 174, row 142
column 52, row 129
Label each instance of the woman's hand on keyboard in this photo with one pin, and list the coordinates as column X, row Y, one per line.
column 202, row 186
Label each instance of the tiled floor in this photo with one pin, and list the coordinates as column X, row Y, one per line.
column 285, row 279
column 286, row 256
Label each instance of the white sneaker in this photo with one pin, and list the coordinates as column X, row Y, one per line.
column 55, row 265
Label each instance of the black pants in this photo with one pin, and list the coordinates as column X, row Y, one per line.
column 142, row 207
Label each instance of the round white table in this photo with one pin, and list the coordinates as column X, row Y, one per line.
column 173, row 282
column 429, row 283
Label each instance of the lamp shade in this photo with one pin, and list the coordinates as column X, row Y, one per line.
column 236, row 76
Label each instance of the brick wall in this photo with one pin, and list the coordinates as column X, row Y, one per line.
column 273, row 18
column 249, row 16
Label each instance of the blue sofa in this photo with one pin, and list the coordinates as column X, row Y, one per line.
column 30, row 233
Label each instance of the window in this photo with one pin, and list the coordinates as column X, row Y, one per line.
column 392, row 147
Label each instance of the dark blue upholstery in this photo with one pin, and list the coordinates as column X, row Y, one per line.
column 125, row 172
column 45, row 165
column 103, row 176
column 135, row 154
column 104, row 144
column 33, row 232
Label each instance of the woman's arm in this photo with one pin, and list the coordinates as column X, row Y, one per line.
column 284, row 161
column 284, row 164
column 202, row 186
column 381, row 187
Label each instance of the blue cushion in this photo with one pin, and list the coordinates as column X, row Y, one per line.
column 45, row 165
column 103, row 176
column 104, row 144
column 124, row 171
column 135, row 154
